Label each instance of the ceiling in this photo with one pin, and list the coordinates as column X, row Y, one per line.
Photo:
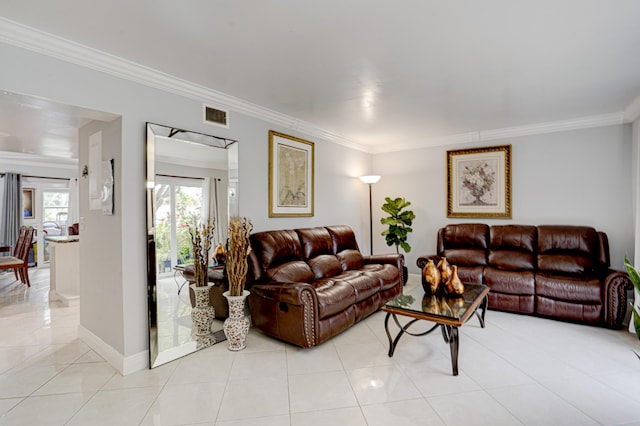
column 408, row 73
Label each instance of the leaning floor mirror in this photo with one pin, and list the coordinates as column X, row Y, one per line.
column 190, row 177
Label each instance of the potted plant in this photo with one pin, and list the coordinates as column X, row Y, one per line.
column 635, row 279
column 202, row 314
column 236, row 327
column 399, row 224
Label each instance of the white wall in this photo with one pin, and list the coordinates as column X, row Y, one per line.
column 340, row 197
column 101, row 239
column 580, row 177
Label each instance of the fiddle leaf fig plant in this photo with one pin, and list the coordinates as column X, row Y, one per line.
column 399, row 223
column 635, row 279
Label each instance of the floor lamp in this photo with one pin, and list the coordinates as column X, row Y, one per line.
column 370, row 180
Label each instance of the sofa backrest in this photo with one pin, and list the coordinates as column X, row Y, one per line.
column 345, row 247
column 317, row 250
column 279, row 256
column 513, row 247
column 302, row 255
column 464, row 244
column 569, row 249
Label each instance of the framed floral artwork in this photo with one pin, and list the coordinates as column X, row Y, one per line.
column 290, row 176
column 479, row 182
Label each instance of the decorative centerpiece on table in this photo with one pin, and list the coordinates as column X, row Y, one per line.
column 202, row 314
column 236, row 327
column 441, row 278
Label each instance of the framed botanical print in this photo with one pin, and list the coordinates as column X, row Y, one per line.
column 479, row 182
column 291, row 176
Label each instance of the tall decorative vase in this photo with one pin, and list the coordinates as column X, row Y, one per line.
column 202, row 314
column 236, row 327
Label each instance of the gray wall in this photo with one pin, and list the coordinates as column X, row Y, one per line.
column 580, row 177
column 101, row 292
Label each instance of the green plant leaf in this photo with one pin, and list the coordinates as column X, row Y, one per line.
column 633, row 274
column 636, row 321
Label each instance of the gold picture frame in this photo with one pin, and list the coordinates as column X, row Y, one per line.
column 479, row 182
column 291, row 176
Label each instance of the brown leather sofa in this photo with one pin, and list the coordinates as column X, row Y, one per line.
column 560, row 272
column 308, row 285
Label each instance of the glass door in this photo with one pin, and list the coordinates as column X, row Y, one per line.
column 179, row 203
column 55, row 210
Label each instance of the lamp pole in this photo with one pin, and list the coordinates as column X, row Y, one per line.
column 370, row 180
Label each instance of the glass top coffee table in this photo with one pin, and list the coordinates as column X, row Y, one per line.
column 448, row 314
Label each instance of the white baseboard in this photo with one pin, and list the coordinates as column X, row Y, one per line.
column 124, row 365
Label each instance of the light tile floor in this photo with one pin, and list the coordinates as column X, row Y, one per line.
column 518, row 370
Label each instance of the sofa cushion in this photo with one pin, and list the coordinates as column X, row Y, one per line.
column 471, row 274
column 568, row 249
column 465, row 257
column 315, row 242
column 291, row 272
column 324, row 266
column 467, row 235
column 511, row 247
column 388, row 275
column 274, row 248
column 345, row 247
column 510, row 282
column 568, row 288
column 465, row 244
column 333, row 295
column 365, row 285
column 350, row 259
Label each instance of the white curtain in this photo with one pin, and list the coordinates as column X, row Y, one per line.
column 74, row 203
column 11, row 208
column 206, row 200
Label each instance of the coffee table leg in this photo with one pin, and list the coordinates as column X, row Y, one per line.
column 392, row 342
column 453, row 346
column 483, row 310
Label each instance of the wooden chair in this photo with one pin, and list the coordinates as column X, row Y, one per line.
column 19, row 262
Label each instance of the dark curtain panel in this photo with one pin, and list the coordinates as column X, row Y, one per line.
column 11, row 209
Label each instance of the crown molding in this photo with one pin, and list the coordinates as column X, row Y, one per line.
column 30, row 38
column 510, row 132
column 34, row 160
column 632, row 112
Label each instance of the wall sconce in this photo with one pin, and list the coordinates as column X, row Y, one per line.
column 85, row 171
column 370, row 180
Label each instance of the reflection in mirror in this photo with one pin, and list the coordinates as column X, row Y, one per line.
column 190, row 176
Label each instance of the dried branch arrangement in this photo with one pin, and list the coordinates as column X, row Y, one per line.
column 201, row 237
column 237, row 252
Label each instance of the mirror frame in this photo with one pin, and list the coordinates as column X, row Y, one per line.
column 157, row 358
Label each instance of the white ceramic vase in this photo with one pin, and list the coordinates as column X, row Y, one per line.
column 202, row 314
column 236, row 327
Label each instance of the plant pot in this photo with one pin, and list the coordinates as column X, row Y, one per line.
column 202, row 314
column 236, row 327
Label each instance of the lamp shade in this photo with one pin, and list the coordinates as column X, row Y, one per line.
column 370, row 179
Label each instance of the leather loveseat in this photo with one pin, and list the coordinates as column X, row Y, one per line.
column 308, row 285
column 553, row 271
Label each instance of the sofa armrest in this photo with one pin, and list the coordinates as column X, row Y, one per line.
column 391, row 259
column 287, row 311
column 422, row 260
column 616, row 284
column 289, row 293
